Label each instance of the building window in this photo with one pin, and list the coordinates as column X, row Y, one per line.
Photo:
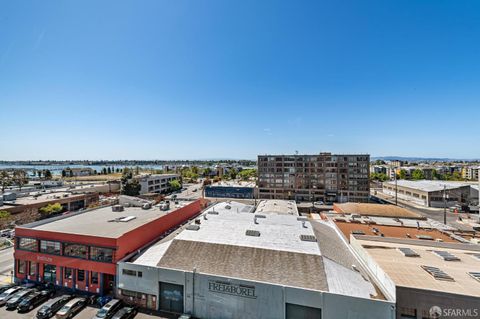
column 139, row 274
column 101, row 254
column 33, row 269
column 22, row 264
column 94, row 279
column 50, row 247
column 27, row 244
column 68, row 273
column 80, row 275
column 75, row 250
column 129, row 272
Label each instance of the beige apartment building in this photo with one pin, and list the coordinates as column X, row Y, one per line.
column 322, row 177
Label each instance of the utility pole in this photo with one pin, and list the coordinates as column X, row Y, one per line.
column 396, row 188
column 445, row 204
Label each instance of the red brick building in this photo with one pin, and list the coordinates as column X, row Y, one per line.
column 81, row 250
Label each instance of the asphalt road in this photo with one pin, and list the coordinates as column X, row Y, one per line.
column 6, row 264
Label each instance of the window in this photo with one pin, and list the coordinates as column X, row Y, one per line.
column 101, row 254
column 68, row 273
column 27, row 244
column 139, row 274
column 33, row 269
column 94, row 279
column 75, row 250
column 50, row 247
column 129, row 272
column 80, row 275
column 21, row 266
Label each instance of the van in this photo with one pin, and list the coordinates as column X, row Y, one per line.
column 107, row 311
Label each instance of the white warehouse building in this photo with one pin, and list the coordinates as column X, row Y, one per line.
column 235, row 263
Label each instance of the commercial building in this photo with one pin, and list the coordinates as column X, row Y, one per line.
column 233, row 262
column 80, row 250
column 430, row 193
column 156, row 183
column 427, row 279
column 228, row 189
column 323, row 177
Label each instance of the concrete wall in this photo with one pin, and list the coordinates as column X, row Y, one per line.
column 265, row 300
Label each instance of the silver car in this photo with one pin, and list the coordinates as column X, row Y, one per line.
column 71, row 308
column 8, row 294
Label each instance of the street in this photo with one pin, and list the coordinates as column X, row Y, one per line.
column 6, row 264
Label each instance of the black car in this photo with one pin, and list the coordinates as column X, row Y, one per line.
column 17, row 298
column 50, row 308
column 127, row 312
column 33, row 300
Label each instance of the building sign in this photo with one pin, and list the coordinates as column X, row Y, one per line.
column 44, row 259
column 232, row 289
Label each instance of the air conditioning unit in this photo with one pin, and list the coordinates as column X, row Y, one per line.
column 117, row 208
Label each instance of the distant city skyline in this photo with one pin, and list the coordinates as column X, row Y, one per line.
column 215, row 79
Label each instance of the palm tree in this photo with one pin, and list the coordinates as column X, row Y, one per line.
column 5, row 180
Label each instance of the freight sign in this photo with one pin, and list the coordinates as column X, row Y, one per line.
column 232, row 289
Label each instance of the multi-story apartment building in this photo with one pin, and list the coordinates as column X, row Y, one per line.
column 322, row 177
column 470, row 173
column 156, row 183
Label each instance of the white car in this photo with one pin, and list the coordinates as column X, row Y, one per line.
column 6, row 295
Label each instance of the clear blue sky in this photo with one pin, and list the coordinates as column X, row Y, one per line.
column 233, row 79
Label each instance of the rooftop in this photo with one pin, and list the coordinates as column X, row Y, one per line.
column 427, row 185
column 375, row 210
column 106, row 221
column 408, row 272
column 234, row 184
column 347, row 227
column 287, row 207
column 273, row 247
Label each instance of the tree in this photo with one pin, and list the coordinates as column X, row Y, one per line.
column 5, row 179
column 418, row 174
column 64, row 173
column 39, row 173
column 4, row 214
column 232, row 173
column 109, row 170
column 48, row 175
column 130, row 187
column 50, row 209
column 247, row 174
column 20, row 178
column 402, row 174
column 207, row 181
column 104, row 171
column 175, row 185
column 379, row 177
column 207, row 172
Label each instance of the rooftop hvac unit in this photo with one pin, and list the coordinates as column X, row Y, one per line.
column 146, row 206
column 117, row 208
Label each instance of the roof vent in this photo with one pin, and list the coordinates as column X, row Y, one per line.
column 260, row 216
column 127, row 219
column 302, row 218
column 117, row 208
column 475, row 275
column 192, row 227
column 254, row 233
column 358, row 232
column 308, row 238
column 424, row 237
column 228, row 207
column 407, row 252
column 446, row 255
column 212, row 212
column 146, row 206
column 437, row 273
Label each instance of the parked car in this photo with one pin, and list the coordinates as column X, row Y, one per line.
column 127, row 312
column 107, row 311
column 32, row 300
column 71, row 308
column 7, row 294
column 6, row 287
column 13, row 302
column 49, row 288
column 51, row 307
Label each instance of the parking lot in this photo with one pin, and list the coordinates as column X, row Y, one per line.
column 86, row 313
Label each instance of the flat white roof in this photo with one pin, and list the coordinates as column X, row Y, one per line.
column 427, row 185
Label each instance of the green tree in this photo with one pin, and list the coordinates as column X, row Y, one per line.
column 175, row 185
column 207, row 171
column 109, row 170
column 51, row 209
column 64, row 173
column 232, row 173
column 130, row 186
column 39, row 173
column 402, row 174
column 48, row 175
column 418, row 175
column 20, row 178
column 4, row 214
column 104, row 171
column 5, row 179
column 378, row 177
column 246, row 174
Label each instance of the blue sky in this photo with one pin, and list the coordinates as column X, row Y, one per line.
column 233, row 79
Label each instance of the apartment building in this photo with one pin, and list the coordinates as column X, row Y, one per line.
column 155, row 183
column 470, row 173
column 322, row 177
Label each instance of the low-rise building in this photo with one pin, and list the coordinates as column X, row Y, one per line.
column 380, row 210
column 430, row 193
column 78, row 171
column 80, row 250
column 231, row 189
column 156, row 183
column 233, row 262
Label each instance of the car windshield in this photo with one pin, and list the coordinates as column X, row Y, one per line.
column 43, row 309
column 101, row 313
column 64, row 309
